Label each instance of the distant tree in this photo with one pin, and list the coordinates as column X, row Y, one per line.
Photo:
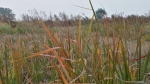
column 6, row 14
column 100, row 13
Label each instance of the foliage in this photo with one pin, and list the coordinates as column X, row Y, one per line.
column 100, row 13
column 6, row 29
column 6, row 14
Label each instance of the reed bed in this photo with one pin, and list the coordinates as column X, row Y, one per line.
column 76, row 55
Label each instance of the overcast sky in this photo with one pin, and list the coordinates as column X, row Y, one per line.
column 55, row 6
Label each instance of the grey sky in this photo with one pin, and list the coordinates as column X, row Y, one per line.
column 55, row 6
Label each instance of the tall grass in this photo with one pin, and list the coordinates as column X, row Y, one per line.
column 75, row 55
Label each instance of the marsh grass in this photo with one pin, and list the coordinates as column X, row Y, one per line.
column 76, row 54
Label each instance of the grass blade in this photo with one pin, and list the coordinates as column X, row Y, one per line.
column 61, row 75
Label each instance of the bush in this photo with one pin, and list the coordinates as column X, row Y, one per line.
column 6, row 29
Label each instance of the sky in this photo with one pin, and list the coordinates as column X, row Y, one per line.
column 127, row 7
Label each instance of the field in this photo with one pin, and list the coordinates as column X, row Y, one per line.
column 111, row 51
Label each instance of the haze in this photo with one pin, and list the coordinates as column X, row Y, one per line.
column 127, row 7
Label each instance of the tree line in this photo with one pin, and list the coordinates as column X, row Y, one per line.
column 62, row 19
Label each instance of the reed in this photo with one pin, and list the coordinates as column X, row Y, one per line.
column 76, row 54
